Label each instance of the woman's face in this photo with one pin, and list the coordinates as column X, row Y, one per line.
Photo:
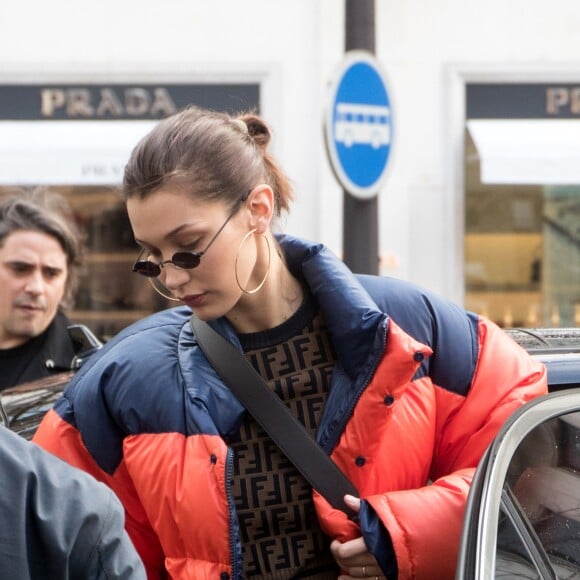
column 170, row 221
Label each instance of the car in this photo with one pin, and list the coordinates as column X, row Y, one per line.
column 23, row 406
column 522, row 518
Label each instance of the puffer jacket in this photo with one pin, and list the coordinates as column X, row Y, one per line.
column 419, row 390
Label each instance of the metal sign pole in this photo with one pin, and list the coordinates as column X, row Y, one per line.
column 360, row 216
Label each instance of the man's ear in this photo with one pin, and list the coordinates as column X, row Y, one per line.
column 261, row 205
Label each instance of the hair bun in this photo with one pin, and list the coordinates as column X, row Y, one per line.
column 258, row 130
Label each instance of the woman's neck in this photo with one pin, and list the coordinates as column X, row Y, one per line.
column 279, row 298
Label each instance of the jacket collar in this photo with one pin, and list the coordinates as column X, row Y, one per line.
column 59, row 348
column 352, row 317
column 355, row 323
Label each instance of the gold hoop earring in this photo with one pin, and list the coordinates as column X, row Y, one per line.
column 160, row 292
column 254, row 290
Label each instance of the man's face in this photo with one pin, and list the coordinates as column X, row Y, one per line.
column 33, row 276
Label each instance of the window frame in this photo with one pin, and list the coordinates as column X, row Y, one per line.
column 487, row 497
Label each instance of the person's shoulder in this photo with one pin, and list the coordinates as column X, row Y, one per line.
column 22, row 458
column 141, row 345
column 396, row 289
column 165, row 323
column 118, row 384
column 446, row 327
column 170, row 317
column 394, row 295
column 77, row 520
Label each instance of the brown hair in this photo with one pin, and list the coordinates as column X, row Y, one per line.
column 47, row 212
column 211, row 154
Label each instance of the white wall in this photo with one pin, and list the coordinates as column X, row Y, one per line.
column 294, row 48
column 275, row 42
column 426, row 47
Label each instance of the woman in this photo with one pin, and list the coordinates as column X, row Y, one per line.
column 403, row 389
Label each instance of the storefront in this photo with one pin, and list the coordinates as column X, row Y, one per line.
column 481, row 200
column 522, row 203
column 75, row 139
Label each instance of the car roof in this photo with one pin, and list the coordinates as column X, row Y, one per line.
column 557, row 348
column 537, row 340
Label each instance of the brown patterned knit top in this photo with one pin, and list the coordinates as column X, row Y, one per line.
column 280, row 535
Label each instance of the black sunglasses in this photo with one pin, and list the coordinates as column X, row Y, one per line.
column 184, row 260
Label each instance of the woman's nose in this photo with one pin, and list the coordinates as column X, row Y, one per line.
column 173, row 277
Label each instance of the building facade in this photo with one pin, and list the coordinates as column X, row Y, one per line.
column 482, row 196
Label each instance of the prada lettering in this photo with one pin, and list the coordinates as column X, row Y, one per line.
column 82, row 103
column 562, row 99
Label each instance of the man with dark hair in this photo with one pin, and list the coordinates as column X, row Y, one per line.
column 39, row 262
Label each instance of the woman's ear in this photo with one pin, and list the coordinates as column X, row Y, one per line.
column 261, row 205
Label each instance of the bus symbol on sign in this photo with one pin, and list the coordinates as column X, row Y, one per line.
column 358, row 125
column 364, row 124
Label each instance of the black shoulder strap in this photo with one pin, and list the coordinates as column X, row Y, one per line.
column 274, row 417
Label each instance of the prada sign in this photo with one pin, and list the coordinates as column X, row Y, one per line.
column 116, row 101
column 523, row 101
column 84, row 134
column 560, row 99
column 79, row 103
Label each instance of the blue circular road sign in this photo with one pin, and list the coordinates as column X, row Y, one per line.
column 359, row 125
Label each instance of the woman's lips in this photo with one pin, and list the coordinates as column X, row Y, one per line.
column 194, row 300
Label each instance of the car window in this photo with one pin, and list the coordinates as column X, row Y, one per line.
column 22, row 407
column 522, row 518
column 539, row 525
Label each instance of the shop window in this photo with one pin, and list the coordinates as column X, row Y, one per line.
column 522, row 207
column 110, row 296
column 75, row 140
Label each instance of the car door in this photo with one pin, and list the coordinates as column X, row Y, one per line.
column 522, row 517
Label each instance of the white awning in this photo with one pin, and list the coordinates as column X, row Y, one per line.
column 67, row 152
column 528, row 151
